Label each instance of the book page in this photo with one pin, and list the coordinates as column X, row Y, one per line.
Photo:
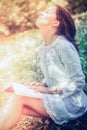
column 22, row 90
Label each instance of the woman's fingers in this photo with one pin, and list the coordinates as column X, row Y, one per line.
column 27, row 84
column 34, row 84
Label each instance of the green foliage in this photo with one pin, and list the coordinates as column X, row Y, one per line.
column 77, row 6
column 82, row 42
column 78, row 124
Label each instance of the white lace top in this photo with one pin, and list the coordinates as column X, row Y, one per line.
column 60, row 65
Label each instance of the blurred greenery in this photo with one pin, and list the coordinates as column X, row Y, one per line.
column 19, row 41
column 82, row 40
column 19, row 57
column 77, row 6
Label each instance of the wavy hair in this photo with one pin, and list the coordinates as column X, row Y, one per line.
column 66, row 26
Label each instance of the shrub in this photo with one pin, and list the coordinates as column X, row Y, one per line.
column 81, row 38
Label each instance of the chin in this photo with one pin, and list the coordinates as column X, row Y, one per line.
column 37, row 23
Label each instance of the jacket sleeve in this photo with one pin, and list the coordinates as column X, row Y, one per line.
column 65, row 68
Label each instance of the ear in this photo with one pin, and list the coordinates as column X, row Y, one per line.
column 56, row 23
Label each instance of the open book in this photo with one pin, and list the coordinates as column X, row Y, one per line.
column 22, row 90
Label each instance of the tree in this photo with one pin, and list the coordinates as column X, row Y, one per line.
column 77, row 6
column 20, row 15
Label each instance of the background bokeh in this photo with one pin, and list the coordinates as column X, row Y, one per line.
column 20, row 38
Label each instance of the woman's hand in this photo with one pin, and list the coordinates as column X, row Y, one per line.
column 56, row 90
column 39, row 88
column 42, row 87
column 35, row 84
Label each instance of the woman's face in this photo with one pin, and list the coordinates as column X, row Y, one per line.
column 47, row 17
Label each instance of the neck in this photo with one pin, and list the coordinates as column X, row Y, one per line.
column 49, row 36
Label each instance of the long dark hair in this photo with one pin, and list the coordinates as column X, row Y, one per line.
column 66, row 26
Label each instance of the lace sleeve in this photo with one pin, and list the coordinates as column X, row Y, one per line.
column 71, row 61
column 64, row 67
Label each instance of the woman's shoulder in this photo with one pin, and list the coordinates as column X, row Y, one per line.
column 65, row 45
column 60, row 44
column 62, row 41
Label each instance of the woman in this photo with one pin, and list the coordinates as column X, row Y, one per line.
column 63, row 98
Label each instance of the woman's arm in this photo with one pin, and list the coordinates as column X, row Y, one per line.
column 71, row 62
column 67, row 72
column 49, row 90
